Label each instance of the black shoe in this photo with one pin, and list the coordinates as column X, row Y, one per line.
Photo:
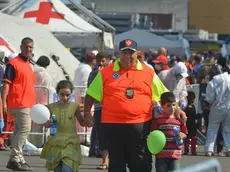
column 13, row 165
column 18, row 166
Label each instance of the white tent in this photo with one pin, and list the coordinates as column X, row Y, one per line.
column 67, row 26
column 146, row 40
column 14, row 29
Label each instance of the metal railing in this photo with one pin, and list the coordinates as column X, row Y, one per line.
column 78, row 97
column 84, row 132
column 43, row 128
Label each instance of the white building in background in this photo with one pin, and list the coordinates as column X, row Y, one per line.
column 166, row 14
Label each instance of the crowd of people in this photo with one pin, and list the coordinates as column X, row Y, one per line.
column 126, row 97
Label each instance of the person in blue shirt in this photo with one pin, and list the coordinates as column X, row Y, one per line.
column 98, row 135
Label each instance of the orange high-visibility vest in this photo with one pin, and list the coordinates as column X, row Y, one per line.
column 116, row 107
column 21, row 92
column 112, row 85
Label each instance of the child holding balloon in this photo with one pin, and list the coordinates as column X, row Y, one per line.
column 168, row 158
column 62, row 152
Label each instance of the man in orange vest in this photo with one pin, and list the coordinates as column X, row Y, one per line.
column 127, row 89
column 18, row 97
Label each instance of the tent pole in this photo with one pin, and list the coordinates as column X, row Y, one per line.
column 11, row 5
column 101, row 44
column 90, row 13
column 86, row 13
column 102, row 40
column 100, row 26
column 22, row 3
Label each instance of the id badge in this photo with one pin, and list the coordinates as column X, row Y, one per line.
column 129, row 93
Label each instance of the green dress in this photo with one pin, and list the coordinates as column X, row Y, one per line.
column 65, row 146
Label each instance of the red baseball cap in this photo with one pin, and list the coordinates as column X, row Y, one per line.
column 161, row 59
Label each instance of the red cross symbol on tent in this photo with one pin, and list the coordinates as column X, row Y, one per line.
column 5, row 44
column 44, row 13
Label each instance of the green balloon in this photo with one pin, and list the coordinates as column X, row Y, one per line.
column 156, row 141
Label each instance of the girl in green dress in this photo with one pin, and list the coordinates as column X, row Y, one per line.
column 62, row 152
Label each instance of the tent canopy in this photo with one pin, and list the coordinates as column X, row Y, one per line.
column 56, row 17
column 146, row 40
column 69, row 28
column 13, row 30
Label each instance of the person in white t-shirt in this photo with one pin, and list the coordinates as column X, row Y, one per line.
column 82, row 73
column 43, row 78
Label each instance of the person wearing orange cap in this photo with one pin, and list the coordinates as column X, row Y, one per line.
column 160, row 64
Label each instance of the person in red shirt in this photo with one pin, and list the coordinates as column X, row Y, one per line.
column 18, row 96
column 168, row 158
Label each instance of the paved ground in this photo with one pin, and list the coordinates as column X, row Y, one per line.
column 90, row 164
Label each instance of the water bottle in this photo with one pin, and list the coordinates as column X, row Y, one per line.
column 53, row 128
column 176, row 132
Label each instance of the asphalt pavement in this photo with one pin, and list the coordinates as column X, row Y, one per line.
column 90, row 164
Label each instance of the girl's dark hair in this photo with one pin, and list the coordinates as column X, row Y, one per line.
column 64, row 84
column 168, row 97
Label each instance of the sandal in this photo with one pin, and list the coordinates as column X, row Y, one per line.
column 102, row 167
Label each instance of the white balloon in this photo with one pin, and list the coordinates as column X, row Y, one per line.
column 39, row 114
